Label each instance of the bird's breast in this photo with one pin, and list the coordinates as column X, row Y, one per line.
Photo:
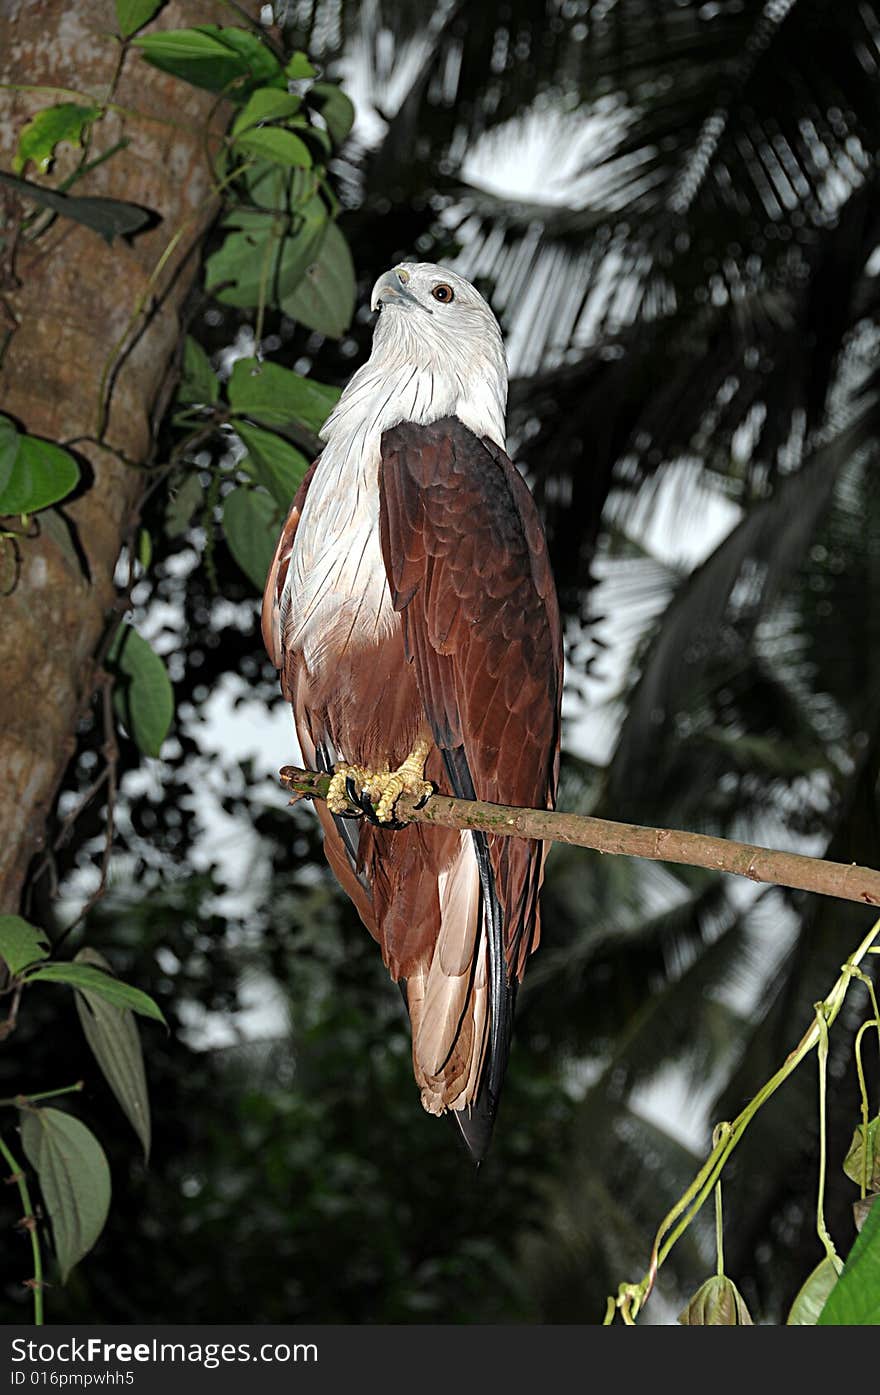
column 336, row 594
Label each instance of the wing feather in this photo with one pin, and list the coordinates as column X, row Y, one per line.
column 468, row 570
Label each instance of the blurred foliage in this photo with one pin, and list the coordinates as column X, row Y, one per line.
column 691, row 287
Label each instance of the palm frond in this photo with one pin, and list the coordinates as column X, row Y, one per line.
column 757, row 558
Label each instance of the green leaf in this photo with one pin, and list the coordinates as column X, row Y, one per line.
column 274, row 396
column 21, row 943
column 197, row 380
column 38, row 139
column 298, row 66
column 324, row 299
column 336, row 109
column 279, row 466
column 112, row 1034
column 132, row 15
column 109, row 217
column 716, row 1303
column 9, row 439
column 42, row 474
column 315, row 133
column 142, row 693
column 84, row 977
column 257, row 58
column 267, row 254
column 266, row 104
column 246, row 265
column 214, row 58
column 252, row 522
column 281, row 189
column 855, row 1299
column 272, row 143
column 812, row 1295
column 183, row 501
column 268, row 187
column 74, row 1179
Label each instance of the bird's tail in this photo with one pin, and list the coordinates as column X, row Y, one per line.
column 461, row 1006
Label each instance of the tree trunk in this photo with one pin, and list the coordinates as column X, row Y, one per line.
column 69, row 303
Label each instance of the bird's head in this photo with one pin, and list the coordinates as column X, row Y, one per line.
column 436, row 320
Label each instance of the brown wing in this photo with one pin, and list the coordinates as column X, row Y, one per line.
column 468, row 570
column 272, row 622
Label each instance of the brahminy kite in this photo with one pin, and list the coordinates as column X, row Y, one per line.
column 411, row 610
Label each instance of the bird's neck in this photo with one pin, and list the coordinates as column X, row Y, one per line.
column 391, row 388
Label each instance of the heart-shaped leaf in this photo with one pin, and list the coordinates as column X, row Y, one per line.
column 278, row 465
column 42, row 474
column 275, row 396
column 854, row 1300
column 336, row 109
column 324, row 298
column 197, row 380
column 74, row 1179
column 142, row 694
column 252, row 522
column 813, row 1295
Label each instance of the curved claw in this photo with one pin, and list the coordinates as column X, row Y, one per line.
column 363, row 805
column 425, row 797
column 361, row 800
column 355, row 797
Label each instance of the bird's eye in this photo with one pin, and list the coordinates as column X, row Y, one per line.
column 443, row 293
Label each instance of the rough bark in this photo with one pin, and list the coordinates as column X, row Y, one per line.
column 73, row 301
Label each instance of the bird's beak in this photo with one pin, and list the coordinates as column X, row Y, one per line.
column 392, row 286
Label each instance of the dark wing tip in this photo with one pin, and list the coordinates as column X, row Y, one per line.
column 475, row 1126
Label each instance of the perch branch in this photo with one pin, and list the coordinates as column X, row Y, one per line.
column 845, row 880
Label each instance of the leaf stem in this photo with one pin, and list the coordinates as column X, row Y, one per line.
column 719, row 1133
column 20, row 1101
column 822, row 1060
column 30, row 1222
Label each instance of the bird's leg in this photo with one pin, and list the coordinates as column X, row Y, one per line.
column 355, row 789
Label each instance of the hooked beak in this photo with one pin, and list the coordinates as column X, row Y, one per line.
column 391, row 285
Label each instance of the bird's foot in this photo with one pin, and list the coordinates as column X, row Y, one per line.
column 408, row 778
column 374, row 793
column 342, row 792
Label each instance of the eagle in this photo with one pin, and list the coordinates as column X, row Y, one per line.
column 411, row 610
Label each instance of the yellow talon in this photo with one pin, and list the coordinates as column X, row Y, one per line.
column 385, row 786
column 410, row 777
column 337, row 798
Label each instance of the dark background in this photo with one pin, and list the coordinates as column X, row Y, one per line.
column 695, row 278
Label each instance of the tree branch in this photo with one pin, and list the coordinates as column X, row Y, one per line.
column 845, row 880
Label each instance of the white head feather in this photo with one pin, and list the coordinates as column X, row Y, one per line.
column 437, row 351
column 432, row 357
